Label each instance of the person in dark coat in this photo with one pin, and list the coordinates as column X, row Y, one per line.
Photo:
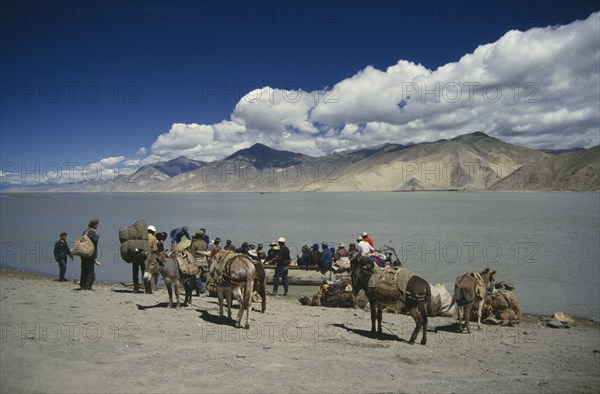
column 229, row 245
column 271, row 254
column 281, row 270
column 314, row 256
column 326, row 259
column 302, row 258
column 244, row 249
column 198, row 247
column 61, row 252
column 261, row 253
column 88, row 276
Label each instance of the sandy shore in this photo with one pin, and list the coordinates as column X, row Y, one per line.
column 58, row 339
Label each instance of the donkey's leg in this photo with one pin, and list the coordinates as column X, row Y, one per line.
column 237, row 294
column 248, row 301
column 373, row 307
column 414, row 313
column 467, row 317
column 379, row 318
column 170, row 291
column 479, row 311
column 423, row 312
column 262, row 291
column 220, row 296
column 177, row 295
column 228, row 296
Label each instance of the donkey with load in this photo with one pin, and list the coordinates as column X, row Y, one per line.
column 233, row 273
column 470, row 290
column 391, row 285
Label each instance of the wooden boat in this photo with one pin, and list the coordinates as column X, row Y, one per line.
column 303, row 276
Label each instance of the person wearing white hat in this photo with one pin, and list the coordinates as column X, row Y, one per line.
column 282, row 260
column 271, row 254
column 365, row 247
column 153, row 241
column 341, row 258
column 366, row 237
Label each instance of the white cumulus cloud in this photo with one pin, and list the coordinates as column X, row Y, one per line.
column 538, row 88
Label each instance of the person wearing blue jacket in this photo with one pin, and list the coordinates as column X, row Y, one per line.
column 177, row 235
column 302, row 258
column 326, row 259
column 61, row 252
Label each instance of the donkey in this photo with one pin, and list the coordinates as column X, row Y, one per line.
column 260, row 284
column 470, row 290
column 232, row 272
column 169, row 269
column 416, row 297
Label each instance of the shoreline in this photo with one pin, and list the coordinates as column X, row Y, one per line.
column 293, row 286
column 58, row 339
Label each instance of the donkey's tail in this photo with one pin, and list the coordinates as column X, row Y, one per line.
column 454, row 298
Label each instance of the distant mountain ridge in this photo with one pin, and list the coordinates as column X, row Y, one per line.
column 475, row 161
column 162, row 170
column 262, row 156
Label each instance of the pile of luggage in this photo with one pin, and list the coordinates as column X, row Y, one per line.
column 134, row 241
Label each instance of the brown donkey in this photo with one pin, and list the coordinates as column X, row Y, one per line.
column 469, row 291
column 415, row 294
column 233, row 272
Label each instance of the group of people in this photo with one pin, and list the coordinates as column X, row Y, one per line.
column 201, row 246
column 330, row 258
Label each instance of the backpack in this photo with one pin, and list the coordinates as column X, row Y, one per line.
column 83, row 247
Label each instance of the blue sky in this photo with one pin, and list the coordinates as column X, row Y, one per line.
column 131, row 82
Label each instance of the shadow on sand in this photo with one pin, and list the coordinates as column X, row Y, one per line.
column 215, row 319
column 368, row 334
column 159, row 305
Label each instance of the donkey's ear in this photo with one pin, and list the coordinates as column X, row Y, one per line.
column 485, row 271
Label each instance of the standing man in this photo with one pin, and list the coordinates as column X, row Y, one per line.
column 61, row 252
column 281, row 270
column 88, row 276
column 154, row 249
column 199, row 249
